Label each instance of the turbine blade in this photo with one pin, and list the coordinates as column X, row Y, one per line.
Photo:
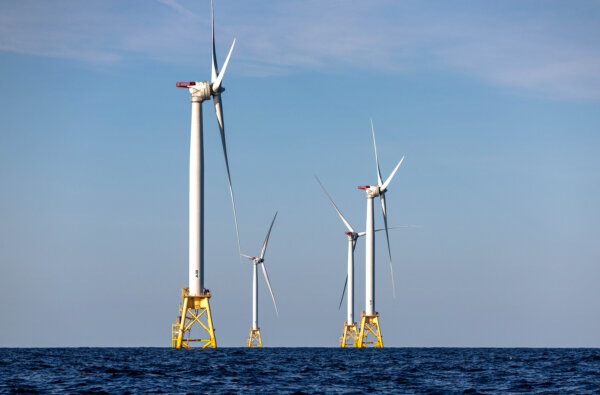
column 360, row 234
column 215, row 69
column 264, row 247
column 379, row 181
column 343, row 292
column 269, row 284
column 247, row 256
column 387, row 236
column 346, row 282
column 387, row 182
column 219, row 111
column 217, row 83
column 399, row 227
column 335, row 207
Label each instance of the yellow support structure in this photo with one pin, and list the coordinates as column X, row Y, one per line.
column 254, row 339
column 193, row 310
column 369, row 325
column 349, row 336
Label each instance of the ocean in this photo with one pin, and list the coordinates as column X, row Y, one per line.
column 300, row 370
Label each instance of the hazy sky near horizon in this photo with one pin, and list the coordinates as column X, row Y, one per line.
column 495, row 105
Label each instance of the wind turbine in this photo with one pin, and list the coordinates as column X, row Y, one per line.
column 370, row 318
column 254, row 340
column 350, row 333
column 196, row 297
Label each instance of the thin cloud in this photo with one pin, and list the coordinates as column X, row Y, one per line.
column 176, row 6
column 552, row 53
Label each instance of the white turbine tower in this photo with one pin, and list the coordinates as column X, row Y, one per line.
column 370, row 317
column 195, row 297
column 350, row 333
column 255, row 340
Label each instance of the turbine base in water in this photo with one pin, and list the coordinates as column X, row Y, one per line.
column 370, row 333
column 194, row 310
column 349, row 336
column 254, row 339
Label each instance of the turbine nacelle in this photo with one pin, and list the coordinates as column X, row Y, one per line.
column 254, row 259
column 352, row 235
column 372, row 190
column 200, row 90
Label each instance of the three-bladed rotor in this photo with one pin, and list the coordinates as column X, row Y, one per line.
column 351, row 233
column 379, row 190
column 204, row 90
column 261, row 261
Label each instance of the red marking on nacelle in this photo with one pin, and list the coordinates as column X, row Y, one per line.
column 348, row 233
column 185, row 84
column 253, row 258
column 364, row 187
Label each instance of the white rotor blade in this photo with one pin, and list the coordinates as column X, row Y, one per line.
column 360, row 234
column 399, row 227
column 247, row 256
column 269, row 284
column 219, row 111
column 387, row 182
column 264, row 247
column 343, row 292
column 335, row 207
column 346, row 282
column 387, row 236
column 215, row 69
column 379, row 181
column 217, row 83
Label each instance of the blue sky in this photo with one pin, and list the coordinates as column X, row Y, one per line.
column 496, row 107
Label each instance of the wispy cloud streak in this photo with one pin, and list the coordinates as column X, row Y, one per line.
column 550, row 48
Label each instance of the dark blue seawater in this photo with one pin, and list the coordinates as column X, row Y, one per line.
column 308, row 370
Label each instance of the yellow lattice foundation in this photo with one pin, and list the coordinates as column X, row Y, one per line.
column 193, row 310
column 254, row 339
column 349, row 336
column 370, row 333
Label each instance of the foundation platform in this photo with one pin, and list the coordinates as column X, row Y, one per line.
column 194, row 310
column 254, row 339
column 370, row 333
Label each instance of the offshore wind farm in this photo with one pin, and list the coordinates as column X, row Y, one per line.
column 194, row 309
column 130, row 221
column 111, row 175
